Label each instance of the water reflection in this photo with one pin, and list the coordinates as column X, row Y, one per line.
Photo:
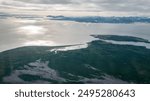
column 25, row 21
column 26, row 32
column 32, row 30
column 39, row 43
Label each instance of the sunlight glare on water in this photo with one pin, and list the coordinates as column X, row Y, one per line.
column 41, row 32
column 39, row 43
column 32, row 30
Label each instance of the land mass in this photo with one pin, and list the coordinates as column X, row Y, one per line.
column 100, row 62
column 101, row 19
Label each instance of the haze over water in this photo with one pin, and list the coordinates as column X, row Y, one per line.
column 18, row 32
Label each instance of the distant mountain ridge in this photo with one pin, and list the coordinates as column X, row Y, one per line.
column 86, row 19
column 101, row 19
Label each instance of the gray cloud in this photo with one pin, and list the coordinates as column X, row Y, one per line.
column 123, row 5
column 127, row 6
column 47, row 1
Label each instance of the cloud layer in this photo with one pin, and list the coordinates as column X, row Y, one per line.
column 115, row 6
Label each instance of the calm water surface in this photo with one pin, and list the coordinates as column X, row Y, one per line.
column 42, row 32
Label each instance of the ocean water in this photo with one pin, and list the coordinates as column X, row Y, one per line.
column 18, row 32
column 52, row 65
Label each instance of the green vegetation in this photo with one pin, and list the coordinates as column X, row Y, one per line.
column 125, row 62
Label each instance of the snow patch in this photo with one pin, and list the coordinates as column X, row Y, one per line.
column 37, row 68
column 106, row 79
column 90, row 67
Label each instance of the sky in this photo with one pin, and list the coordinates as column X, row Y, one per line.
column 99, row 7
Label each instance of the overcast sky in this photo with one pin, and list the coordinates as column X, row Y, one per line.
column 112, row 7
